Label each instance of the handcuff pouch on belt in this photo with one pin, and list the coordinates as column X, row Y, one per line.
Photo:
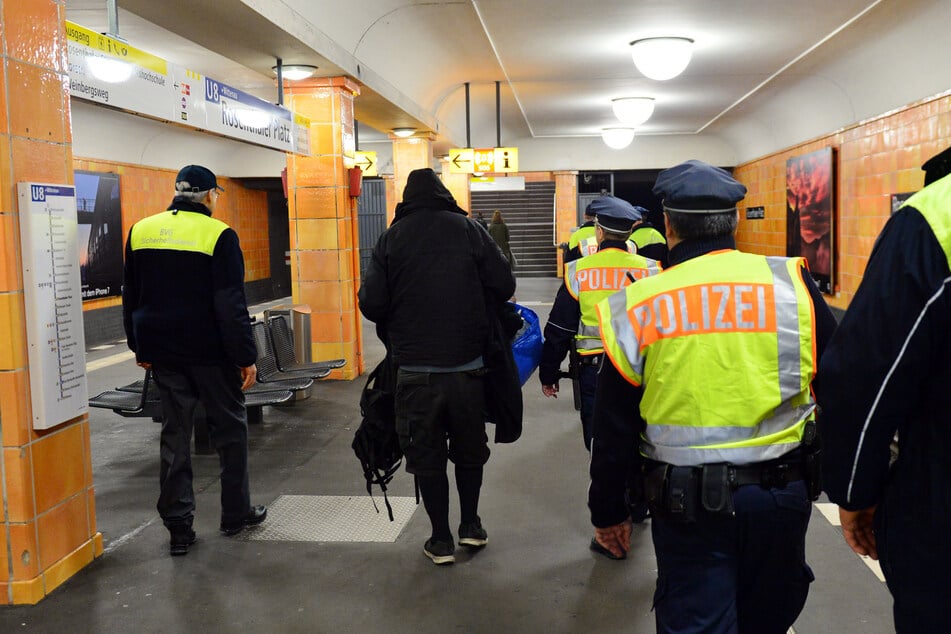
column 812, row 460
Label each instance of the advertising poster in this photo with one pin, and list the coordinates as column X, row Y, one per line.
column 810, row 198
column 99, row 234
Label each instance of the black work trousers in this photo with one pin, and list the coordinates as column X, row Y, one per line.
column 218, row 390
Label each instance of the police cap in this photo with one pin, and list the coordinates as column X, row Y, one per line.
column 937, row 166
column 614, row 214
column 696, row 187
column 195, row 178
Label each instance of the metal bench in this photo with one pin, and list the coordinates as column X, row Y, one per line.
column 143, row 402
column 282, row 340
column 268, row 370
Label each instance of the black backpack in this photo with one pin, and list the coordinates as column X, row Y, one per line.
column 375, row 443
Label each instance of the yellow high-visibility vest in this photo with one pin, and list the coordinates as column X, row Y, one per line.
column 594, row 277
column 644, row 236
column 723, row 348
column 933, row 203
column 580, row 234
column 177, row 231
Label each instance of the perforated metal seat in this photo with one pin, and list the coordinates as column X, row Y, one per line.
column 131, row 403
column 268, row 371
column 282, row 340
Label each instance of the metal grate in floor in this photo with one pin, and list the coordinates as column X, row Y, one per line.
column 329, row 518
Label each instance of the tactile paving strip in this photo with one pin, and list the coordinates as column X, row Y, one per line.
column 328, row 518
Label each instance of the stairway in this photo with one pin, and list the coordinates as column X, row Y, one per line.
column 529, row 215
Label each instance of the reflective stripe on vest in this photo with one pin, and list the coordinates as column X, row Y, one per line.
column 589, row 246
column 933, row 203
column 644, row 236
column 580, row 234
column 723, row 347
column 594, row 277
column 181, row 231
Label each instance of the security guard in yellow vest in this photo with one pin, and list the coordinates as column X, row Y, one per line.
column 573, row 321
column 708, row 389
column 186, row 318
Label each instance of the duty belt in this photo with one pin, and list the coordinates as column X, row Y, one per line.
column 590, row 359
column 766, row 475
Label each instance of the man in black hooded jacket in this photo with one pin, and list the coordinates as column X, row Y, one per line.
column 434, row 276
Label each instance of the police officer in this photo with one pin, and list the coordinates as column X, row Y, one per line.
column 187, row 320
column 650, row 242
column 708, row 388
column 585, row 230
column 887, row 370
column 572, row 321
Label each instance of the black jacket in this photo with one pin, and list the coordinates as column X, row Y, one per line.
column 617, row 419
column 887, row 369
column 183, row 307
column 432, row 278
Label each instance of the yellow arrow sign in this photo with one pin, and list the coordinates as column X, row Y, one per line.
column 366, row 161
column 460, row 161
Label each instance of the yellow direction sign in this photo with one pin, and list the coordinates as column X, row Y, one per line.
column 366, row 161
column 460, row 161
column 506, row 159
column 484, row 160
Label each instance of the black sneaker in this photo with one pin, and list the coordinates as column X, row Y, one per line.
column 255, row 516
column 180, row 541
column 472, row 534
column 440, row 552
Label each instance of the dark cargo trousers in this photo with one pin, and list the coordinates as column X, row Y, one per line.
column 218, row 390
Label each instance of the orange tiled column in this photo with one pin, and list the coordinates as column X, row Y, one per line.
column 458, row 186
column 411, row 153
column 325, row 245
column 566, row 209
column 391, row 198
column 48, row 518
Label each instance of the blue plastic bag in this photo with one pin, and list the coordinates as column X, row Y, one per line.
column 527, row 343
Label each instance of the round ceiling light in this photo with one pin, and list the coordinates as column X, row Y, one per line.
column 404, row 132
column 662, row 58
column 633, row 111
column 617, row 138
column 296, row 72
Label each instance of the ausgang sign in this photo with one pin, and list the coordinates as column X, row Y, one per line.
column 485, row 160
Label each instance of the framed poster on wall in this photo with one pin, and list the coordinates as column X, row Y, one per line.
column 810, row 213
column 99, row 213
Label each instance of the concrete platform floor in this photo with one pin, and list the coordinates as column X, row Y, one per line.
column 535, row 575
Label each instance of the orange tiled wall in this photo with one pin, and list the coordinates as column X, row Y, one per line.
column 148, row 190
column 875, row 159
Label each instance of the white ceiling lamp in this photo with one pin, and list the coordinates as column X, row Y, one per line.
column 404, row 132
column 109, row 69
column 662, row 58
column 296, row 72
column 617, row 138
column 633, row 111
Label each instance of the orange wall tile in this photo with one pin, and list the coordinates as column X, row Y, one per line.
column 36, row 97
column 59, row 467
column 18, row 476
column 23, row 550
column 875, row 159
column 15, row 407
column 62, row 530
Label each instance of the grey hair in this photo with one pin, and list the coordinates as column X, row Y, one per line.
column 183, row 189
column 694, row 226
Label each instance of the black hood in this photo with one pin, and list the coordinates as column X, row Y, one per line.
column 424, row 191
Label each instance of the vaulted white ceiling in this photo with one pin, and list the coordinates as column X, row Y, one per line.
column 765, row 74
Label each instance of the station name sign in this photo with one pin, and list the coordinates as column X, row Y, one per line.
column 109, row 71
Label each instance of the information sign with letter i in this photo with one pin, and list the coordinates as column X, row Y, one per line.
column 53, row 297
